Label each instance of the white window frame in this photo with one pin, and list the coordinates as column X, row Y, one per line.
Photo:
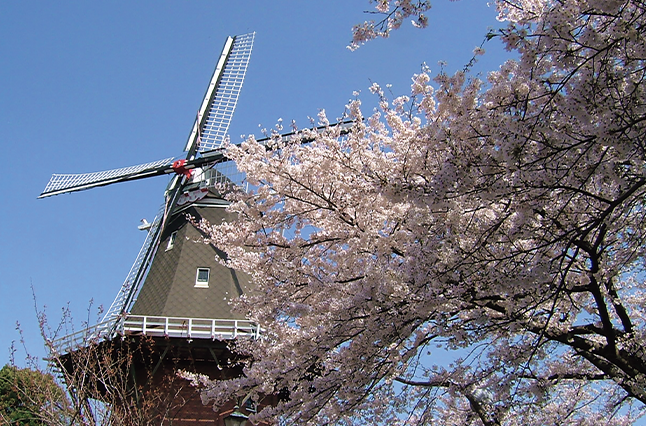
column 171, row 240
column 201, row 283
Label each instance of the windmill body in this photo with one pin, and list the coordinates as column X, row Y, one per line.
column 185, row 279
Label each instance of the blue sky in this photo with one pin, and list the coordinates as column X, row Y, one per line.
column 88, row 86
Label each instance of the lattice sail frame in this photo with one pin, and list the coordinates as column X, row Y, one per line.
column 135, row 277
column 61, row 183
column 221, row 96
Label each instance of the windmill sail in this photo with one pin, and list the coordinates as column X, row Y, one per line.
column 137, row 272
column 64, row 183
column 208, row 133
column 213, row 119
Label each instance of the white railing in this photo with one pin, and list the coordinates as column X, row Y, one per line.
column 80, row 338
column 189, row 328
column 173, row 327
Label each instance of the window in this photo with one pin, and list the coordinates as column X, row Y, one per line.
column 202, row 278
column 171, row 240
column 251, row 406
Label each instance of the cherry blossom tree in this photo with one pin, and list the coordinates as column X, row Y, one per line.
column 470, row 254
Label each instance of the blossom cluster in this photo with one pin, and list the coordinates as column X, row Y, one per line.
column 394, row 12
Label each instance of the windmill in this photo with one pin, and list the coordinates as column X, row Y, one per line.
column 176, row 294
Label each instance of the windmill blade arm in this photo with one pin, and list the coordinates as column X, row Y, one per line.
column 345, row 127
column 64, row 183
column 216, row 111
column 128, row 292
